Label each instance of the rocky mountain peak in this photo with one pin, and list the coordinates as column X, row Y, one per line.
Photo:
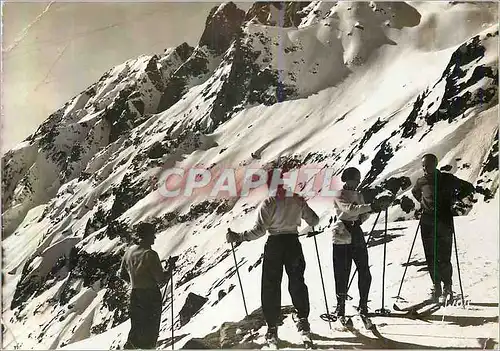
column 184, row 51
column 221, row 25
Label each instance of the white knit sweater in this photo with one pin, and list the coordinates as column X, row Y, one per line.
column 281, row 216
column 349, row 205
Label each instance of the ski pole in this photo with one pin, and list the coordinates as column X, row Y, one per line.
column 172, row 303
column 321, row 276
column 239, row 279
column 458, row 266
column 408, row 261
column 367, row 242
column 382, row 310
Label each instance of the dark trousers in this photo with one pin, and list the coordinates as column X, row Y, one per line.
column 437, row 239
column 343, row 255
column 145, row 317
column 283, row 251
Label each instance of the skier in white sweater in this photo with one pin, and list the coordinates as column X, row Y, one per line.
column 348, row 239
column 280, row 216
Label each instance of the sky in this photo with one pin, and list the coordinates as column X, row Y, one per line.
column 53, row 51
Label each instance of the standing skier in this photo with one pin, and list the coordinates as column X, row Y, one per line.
column 437, row 193
column 280, row 215
column 348, row 239
column 141, row 267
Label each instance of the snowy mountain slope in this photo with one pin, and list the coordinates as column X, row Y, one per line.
column 69, row 139
column 66, row 242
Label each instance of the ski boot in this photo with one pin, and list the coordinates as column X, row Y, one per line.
column 363, row 314
column 435, row 293
column 340, row 310
column 304, row 329
column 340, row 314
column 272, row 338
column 447, row 295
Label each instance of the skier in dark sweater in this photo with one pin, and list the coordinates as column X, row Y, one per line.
column 280, row 216
column 348, row 239
column 141, row 267
column 437, row 192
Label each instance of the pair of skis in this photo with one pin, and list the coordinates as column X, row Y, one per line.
column 418, row 310
column 425, row 307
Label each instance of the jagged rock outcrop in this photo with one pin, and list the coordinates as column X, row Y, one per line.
column 192, row 305
column 282, row 14
column 222, row 24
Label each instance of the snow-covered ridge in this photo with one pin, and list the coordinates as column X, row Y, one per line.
column 302, row 88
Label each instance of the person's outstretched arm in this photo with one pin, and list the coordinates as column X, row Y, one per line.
column 351, row 209
column 264, row 221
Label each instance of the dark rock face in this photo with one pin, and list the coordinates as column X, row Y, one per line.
column 195, row 66
column 116, row 300
column 184, row 51
column 485, row 185
column 394, row 185
column 247, row 82
column 25, row 288
column 410, row 126
column 153, row 73
column 221, row 25
column 195, row 344
column 157, row 150
column 119, row 115
column 290, row 13
column 456, row 98
column 126, row 194
column 453, row 105
column 380, row 160
column 491, row 163
column 192, row 305
column 376, row 127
